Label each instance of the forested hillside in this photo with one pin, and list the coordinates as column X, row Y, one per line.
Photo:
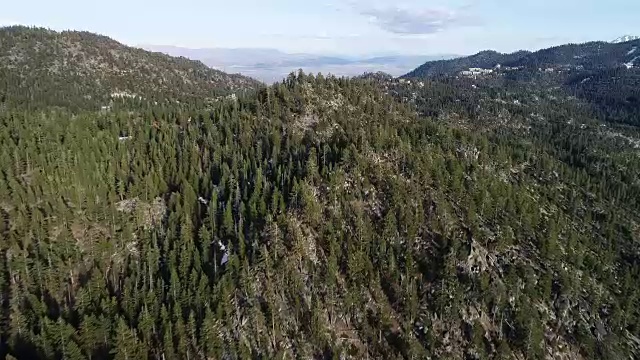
column 41, row 68
column 321, row 219
column 605, row 76
column 454, row 217
column 587, row 56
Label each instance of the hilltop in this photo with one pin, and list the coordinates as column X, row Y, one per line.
column 37, row 65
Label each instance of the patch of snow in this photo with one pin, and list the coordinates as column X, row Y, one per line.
column 476, row 72
column 585, row 80
column 124, row 138
column 123, row 94
column 630, row 64
column 225, row 258
column 632, row 50
column 203, row 200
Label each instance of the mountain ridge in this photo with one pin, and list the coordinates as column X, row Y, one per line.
column 625, row 38
column 589, row 55
column 38, row 61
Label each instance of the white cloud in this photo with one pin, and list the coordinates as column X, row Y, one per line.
column 403, row 21
column 411, row 18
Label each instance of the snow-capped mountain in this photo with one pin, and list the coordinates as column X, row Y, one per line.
column 625, row 38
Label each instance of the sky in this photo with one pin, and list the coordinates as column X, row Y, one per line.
column 346, row 27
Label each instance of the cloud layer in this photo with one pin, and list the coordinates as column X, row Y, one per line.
column 409, row 17
column 403, row 21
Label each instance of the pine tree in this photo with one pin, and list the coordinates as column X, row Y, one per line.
column 126, row 343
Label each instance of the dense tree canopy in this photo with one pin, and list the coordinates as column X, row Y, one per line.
column 320, row 217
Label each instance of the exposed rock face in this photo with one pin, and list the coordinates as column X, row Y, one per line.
column 151, row 214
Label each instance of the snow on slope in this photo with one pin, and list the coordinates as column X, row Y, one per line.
column 629, row 65
column 625, row 38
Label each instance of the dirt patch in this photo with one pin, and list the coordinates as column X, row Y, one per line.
column 150, row 214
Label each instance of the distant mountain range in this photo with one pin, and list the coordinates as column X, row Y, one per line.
column 270, row 65
column 597, row 55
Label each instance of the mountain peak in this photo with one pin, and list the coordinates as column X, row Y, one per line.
column 625, row 38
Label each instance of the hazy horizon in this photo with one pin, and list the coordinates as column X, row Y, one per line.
column 352, row 27
column 270, row 65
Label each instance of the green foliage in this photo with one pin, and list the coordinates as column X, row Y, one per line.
column 349, row 227
column 40, row 68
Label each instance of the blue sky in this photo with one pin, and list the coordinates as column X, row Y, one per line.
column 352, row 27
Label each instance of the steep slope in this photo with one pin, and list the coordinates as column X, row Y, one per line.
column 614, row 94
column 319, row 219
column 81, row 69
column 603, row 75
column 484, row 59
